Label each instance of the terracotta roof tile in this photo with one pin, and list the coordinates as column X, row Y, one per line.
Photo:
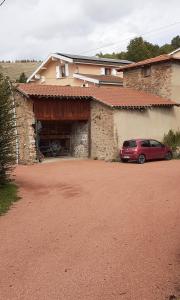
column 111, row 96
column 157, row 59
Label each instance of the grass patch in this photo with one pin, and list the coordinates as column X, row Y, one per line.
column 8, row 195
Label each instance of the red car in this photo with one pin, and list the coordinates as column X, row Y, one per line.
column 141, row 150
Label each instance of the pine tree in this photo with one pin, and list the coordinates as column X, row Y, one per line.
column 22, row 78
column 7, row 131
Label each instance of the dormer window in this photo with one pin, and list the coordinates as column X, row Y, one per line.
column 62, row 71
column 107, row 71
column 146, row 71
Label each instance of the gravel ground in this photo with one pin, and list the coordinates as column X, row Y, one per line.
column 90, row 230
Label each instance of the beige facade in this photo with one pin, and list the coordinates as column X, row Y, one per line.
column 47, row 74
column 150, row 123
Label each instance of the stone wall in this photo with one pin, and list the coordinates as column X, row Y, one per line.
column 80, row 139
column 158, row 83
column 103, row 144
column 26, row 136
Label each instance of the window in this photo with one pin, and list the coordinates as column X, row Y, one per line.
column 145, row 143
column 107, row 71
column 155, row 144
column 61, row 71
column 130, row 144
column 146, row 71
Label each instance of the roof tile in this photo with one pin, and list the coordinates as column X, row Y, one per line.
column 111, row 96
column 157, row 59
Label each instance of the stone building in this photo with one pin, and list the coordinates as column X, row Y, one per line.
column 87, row 122
column 159, row 75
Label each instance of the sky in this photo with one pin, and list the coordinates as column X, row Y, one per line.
column 32, row 29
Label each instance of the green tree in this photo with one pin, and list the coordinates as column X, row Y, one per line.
column 165, row 49
column 175, row 42
column 7, row 130
column 138, row 49
column 22, row 78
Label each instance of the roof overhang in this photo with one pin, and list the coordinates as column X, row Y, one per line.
column 85, row 78
column 95, row 80
column 50, row 57
column 175, row 51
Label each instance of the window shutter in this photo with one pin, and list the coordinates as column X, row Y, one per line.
column 102, row 71
column 58, row 72
column 67, row 70
column 113, row 72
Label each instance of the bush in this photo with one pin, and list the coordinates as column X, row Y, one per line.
column 172, row 139
column 7, row 130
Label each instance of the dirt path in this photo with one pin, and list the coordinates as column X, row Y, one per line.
column 88, row 230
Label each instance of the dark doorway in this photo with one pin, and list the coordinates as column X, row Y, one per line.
column 55, row 138
column 63, row 138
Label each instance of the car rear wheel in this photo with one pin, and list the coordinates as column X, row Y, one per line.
column 141, row 159
column 168, row 156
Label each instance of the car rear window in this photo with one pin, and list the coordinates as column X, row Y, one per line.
column 129, row 144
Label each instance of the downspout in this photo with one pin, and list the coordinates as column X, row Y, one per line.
column 15, row 122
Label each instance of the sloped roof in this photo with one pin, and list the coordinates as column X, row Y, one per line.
column 81, row 59
column 101, row 78
column 111, row 96
column 154, row 60
column 96, row 59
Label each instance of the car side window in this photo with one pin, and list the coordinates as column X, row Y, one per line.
column 155, row 144
column 145, row 143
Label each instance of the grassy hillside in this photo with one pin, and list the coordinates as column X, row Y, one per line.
column 14, row 69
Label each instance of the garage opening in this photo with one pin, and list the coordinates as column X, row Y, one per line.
column 63, row 138
column 62, row 126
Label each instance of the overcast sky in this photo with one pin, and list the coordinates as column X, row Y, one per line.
column 35, row 28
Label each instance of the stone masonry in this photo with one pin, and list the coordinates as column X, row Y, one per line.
column 103, row 144
column 80, row 139
column 158, row 83
column 26, row 136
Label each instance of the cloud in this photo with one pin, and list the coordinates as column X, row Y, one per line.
column 34, row 28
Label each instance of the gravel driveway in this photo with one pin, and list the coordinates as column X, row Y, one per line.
column 90, row 230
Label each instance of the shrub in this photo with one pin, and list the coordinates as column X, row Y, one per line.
column 7, row 130
column 172, row 139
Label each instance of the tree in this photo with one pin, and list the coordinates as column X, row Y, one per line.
column 138, row 49
column 22, row 78
column 175, row 42
column 7, row 131
column 165, row 49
